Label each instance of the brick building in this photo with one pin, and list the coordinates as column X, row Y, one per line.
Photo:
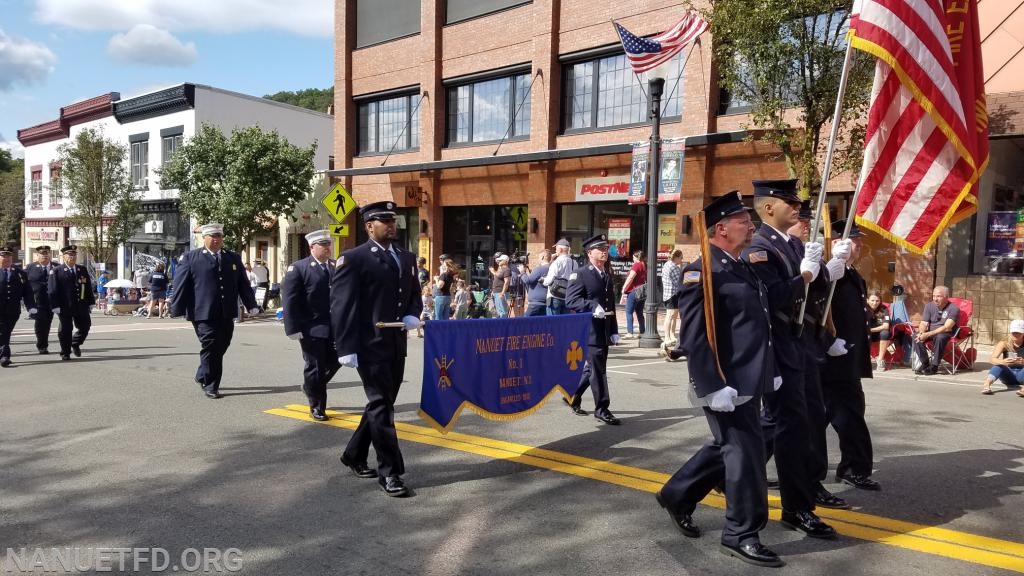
column 415, row 82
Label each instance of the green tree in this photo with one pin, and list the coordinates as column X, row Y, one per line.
column 95, row 181
column 244, row 181
column 785, row 58
column 12, row 197
column 311, row 98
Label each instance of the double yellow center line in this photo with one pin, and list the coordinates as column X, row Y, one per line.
column 920, row 538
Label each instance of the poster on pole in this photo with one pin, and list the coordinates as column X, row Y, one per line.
column 671, row 171
column 666, row 235
column 638, row 174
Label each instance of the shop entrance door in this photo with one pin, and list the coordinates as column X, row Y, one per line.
column 479, row 259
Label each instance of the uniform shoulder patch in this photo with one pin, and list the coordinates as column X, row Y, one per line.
column 758, row 256
column 341, row 261
column 573, row 276
column 691, row 277
column 291, row 268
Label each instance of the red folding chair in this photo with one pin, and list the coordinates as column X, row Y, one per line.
column 960, row 354
column 898, row 331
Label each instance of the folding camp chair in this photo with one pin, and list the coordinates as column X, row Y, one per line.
column 960, row 353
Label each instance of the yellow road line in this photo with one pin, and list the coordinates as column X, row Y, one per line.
column 918, row 537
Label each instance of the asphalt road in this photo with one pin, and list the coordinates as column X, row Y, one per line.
column 119, row 449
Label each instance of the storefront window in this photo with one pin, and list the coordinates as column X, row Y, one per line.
column 472, row 235
column 999, row 224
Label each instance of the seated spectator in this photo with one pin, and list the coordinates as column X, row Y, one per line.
column 879, row 327
column 115, row 295
column 1008, row 361
column 938, row 321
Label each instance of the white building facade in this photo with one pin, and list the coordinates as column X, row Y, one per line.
column 152, row 126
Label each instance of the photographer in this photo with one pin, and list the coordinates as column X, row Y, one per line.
column 536, row 292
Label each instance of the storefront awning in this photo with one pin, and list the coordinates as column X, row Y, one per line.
column 691, row 142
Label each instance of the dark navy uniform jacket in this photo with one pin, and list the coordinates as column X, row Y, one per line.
column 587, row 290
column 367, row 288
column 204, row 292
column 777, row 263
column 306, row 298
column 68, row 288
column 15, row 291
column 742, row 328
column 37, row 278
column 850, row 317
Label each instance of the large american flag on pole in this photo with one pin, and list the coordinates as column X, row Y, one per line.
column 646, row 53
column 927, row 129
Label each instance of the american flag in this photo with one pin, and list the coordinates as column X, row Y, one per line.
column 927, row 129
column 647, row 53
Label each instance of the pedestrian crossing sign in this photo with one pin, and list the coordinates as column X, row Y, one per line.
column 338, row 202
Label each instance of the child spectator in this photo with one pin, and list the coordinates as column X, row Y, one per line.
column 428, row 307
column 461, row 300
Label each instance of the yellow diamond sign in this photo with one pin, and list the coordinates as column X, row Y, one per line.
column 338, row 202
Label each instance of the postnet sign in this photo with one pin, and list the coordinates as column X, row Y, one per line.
column 602, row 189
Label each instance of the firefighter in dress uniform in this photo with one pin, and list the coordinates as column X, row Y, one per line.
column 69, row 287
column 207, row 285
column 376, row 282
column 14, row 289
column 590, row 290
column 306, row 299
column 38, row 274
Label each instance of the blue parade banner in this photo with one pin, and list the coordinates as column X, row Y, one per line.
column 500, row 368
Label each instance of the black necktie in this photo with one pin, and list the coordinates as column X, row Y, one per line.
column 323, row 267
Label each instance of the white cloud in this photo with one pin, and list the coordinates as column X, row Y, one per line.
column 23, row 62
column 305, row 17
column 15, row 147
column 146, row 44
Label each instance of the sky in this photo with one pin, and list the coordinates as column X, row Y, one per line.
column 56, row 52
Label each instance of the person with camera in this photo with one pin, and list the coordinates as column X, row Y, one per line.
column 557, row 278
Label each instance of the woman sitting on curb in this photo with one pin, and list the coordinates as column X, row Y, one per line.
column 1008, row 361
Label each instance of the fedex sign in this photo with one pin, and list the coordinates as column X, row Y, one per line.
column 602, row 189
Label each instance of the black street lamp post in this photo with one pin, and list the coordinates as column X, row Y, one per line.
column 656, row 87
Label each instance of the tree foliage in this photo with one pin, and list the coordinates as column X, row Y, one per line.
column 311, row 98
column 12, row 196
column 785, row 58
column 244, row 181
column 95, row 181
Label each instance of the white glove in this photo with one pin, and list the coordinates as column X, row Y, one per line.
column 777, row 383
column 615, row 338
column 296, row 336
column 350, row 360
column 411, row 322
column 33, row 310
column 599, row 312
column 812, row 265
column 56, row 310
column 254, row 311
column 836, row 268
column 838, row 348
column 842, row 249
column 721, row 401
column 813, row 250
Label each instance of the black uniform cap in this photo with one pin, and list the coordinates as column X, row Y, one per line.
column 782, row 189
column 7, row 250
column 839, row 225
column 69, row 248
column 42, row 249
column 805, row 210
column 378, row 211
column 596, row 241
column 723, row 207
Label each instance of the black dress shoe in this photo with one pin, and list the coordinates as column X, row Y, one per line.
column 683, row 522
column 575, row 407
column 5, row 362
column 808, row 523
column 213, row 395
column 65, row 357
column 318, row 415
column 826, row 499
column 393, row 486
column 930, row 370
column 360, row 469
column 43, row 351
column 76, row 350
column 859, row 481
column 607, row 418
column 753, row 553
